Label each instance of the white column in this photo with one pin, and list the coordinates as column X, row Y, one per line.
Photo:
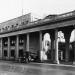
column 74, row 47
column 56, row 47
column 8, row 47
column 17, row 47
column 1, row 48
column 40, row 43
column 52, row 44
column 40, row 40
column 27, row 42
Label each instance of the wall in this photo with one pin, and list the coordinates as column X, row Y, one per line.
column 34, row 42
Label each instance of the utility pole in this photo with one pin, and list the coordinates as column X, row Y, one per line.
column 22, row 7
column 22, row 12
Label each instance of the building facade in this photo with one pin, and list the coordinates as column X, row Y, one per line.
column 14, row 41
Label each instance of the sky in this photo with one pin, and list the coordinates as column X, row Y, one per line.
column 10, row 9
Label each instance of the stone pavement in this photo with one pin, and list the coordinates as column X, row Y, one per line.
column 32, row 67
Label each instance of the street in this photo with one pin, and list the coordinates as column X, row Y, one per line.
column 7, row 68
column 39, row 72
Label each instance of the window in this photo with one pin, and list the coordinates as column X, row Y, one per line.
column 16, row 25
column 22, row 23
column 21, row 53
column 12, row 26
column 5, row 53
column 21, row 42
column 13, row 42
column 12, row 53
column 5, row 43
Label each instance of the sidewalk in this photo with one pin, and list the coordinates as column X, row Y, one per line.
column 22, row 67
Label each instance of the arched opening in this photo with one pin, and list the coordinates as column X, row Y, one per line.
column 71, row 46
column 62, row 46
column 46, row 48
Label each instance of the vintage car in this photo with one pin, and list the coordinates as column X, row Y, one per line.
column 25, row 58
column 29, row 57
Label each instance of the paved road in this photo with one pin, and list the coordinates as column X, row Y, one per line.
column 35, row 69
column 39, row 72
column 9, row 73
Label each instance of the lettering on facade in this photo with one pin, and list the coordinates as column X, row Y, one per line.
column 15, row 23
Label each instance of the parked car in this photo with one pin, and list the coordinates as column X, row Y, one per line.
column 34, row 57
column 29, row 57
column 25, row 58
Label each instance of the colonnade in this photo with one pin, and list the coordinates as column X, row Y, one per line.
column 54, row 42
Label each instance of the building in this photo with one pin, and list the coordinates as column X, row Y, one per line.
column 18, row 36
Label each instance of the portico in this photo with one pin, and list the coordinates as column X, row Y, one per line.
column 14, row 43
